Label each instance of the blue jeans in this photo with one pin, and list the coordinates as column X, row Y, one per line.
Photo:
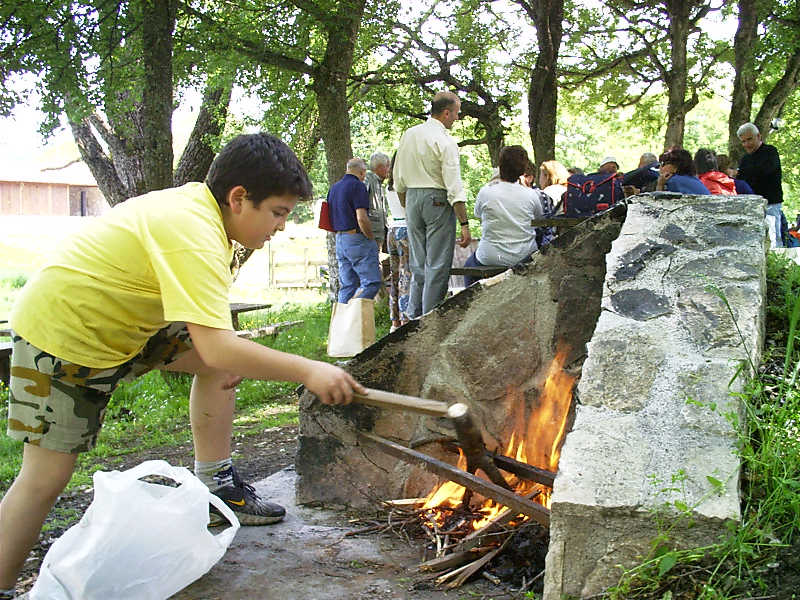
column 472, row 261
column 431, row 224
column 781, row 225
column 359, row 269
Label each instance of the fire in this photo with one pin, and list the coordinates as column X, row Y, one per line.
column 535, row 439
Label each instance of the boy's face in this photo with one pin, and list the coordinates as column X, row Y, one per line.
column 253, row 226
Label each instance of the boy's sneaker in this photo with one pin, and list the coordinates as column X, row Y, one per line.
column 245, row 503
column 5, row 595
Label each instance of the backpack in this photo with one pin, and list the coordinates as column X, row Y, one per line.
column 589, row 194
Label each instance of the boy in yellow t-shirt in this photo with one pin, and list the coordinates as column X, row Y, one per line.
column 146, row 287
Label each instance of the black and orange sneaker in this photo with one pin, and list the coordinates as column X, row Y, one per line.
column 245, row 503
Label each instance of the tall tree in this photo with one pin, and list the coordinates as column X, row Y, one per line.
column 547, row 17
column 774, row 55
column 459, row 53
column 108, row 67
column 630, row 47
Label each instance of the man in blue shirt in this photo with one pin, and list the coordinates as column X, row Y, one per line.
column 356, row 250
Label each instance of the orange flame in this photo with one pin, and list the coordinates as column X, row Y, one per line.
column 535, row 439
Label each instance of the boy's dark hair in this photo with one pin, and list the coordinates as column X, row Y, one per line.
column 681, row 158
column 513, row 162
column 262, row 164
column 705, row 160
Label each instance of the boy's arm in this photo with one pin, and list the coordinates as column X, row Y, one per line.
column 223, row 349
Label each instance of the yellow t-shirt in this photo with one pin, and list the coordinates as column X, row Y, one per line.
column 149, row 261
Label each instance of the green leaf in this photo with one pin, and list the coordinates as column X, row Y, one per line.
column 716, row 483
column 681, row 506
column 666, row 563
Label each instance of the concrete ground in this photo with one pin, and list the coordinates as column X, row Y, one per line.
column 307, row 557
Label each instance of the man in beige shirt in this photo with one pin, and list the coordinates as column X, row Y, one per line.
column 427, row 176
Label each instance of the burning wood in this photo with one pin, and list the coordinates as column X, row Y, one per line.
column 501, row 495
column 465, row 539
column 472, row 445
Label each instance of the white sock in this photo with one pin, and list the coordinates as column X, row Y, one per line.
column 215, row 474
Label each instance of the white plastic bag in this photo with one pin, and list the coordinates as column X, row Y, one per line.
column 137, row 540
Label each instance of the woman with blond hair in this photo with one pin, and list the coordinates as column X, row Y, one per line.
column 553, row 179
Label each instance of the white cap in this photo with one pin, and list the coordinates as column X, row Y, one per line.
column 609, row 159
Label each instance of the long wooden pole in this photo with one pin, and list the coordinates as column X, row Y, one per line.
column 400, row 402
column 485, row 488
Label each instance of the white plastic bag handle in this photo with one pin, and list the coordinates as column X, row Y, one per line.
column 181, row 475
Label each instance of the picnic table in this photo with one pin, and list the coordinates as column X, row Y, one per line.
column 239, row 307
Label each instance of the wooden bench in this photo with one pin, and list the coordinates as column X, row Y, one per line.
column 478, row 272
column 5, row 361
column 559, row 222
column 240, row 307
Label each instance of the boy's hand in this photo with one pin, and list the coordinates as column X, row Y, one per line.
column 332, row 385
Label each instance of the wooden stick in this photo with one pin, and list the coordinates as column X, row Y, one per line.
column 477, row 537
column 524, row 470
column 472, row 443
column 383, row 399
column 485, row 488
column 452, row 560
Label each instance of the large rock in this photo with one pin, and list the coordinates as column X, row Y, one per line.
column 652, row 448
column 489, row 346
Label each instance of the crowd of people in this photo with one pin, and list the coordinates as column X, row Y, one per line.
column 426, row 201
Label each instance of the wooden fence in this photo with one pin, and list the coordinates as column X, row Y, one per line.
column 288, row 270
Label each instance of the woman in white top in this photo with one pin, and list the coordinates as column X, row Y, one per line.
column 506, row 209
column 397, row 245
column 553, row 180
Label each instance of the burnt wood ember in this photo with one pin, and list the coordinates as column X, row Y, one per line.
column 472, row 444
column 524, row 470
column 485, row 488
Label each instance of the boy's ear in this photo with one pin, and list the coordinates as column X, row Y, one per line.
column 236, row 197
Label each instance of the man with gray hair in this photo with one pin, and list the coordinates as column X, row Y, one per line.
column 761, row 169
column 427, row 176
column 356, row 251
column 379, row 165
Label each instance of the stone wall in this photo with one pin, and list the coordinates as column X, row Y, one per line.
column 682, row 310
column 487, row 343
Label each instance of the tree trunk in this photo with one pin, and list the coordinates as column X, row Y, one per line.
column 744, row 81
column 676, row 78
column 99, row 164
column 547, row 16
column 138, row 132
column 330, row 88
column 199, row 153
column 156, row 156
column 779, row 94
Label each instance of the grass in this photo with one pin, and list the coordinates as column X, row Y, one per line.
column 743, row 564
column 154, row 411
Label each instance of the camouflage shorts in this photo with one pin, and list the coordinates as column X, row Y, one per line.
column 59, row 405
